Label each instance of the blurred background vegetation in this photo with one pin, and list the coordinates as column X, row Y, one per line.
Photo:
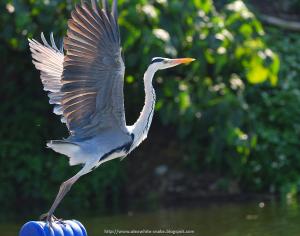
column 226, row 125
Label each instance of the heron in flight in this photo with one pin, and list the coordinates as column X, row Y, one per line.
column 84, row 79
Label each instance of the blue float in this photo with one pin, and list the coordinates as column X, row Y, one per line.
column 65, row 228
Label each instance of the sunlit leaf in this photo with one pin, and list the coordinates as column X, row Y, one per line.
column 256, row 72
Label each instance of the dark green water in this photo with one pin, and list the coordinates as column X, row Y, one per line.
column 230, row 219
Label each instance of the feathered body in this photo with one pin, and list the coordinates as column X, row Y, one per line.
column 86, row 86
column 114, row 144
column 84, row 80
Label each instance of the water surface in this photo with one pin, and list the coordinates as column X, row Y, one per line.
column 230, row 219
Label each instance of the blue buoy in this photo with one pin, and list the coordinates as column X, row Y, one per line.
column 75, row 227
column 67, row 230
column 84, row 233
column 40, row 228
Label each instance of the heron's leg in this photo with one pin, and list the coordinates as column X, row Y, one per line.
column 63, row 190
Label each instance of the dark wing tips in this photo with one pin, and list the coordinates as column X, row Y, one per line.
column 53, row 44
column 94, row 5
column 44, row 40
column 114, row 13
column 105, row 5
column 115, row 10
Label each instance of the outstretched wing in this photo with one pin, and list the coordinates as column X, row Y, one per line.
column 86, row 84
column 49, row 60
column 93, row 72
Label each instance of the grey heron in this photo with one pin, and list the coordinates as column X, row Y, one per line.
column 84, row 80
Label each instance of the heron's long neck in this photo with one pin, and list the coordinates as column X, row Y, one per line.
column 142, row 125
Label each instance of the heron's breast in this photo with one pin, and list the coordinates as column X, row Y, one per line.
column 108, row 157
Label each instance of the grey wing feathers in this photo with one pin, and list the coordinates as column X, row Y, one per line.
column 86, row 84
column 93, row 71
column 49, row 60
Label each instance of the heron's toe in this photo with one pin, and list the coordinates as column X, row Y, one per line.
column 44, row 217
column 49, row 219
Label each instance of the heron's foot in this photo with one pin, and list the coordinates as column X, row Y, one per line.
column 50, row 219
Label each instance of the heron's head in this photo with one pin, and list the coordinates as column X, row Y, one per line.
column 161, row 63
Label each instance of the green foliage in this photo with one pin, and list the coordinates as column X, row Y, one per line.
column 275, row 160
column 211, row 100
column 225, row 106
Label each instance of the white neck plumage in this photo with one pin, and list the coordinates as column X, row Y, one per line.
column 141, row 126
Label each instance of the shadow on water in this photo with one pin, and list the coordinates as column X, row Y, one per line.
column 229, row 219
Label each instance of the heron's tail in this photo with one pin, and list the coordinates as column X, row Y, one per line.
column 66, row 148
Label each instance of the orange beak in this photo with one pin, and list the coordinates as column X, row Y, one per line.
column 183, row 60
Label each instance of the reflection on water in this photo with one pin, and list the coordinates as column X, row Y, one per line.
column 231, row 219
